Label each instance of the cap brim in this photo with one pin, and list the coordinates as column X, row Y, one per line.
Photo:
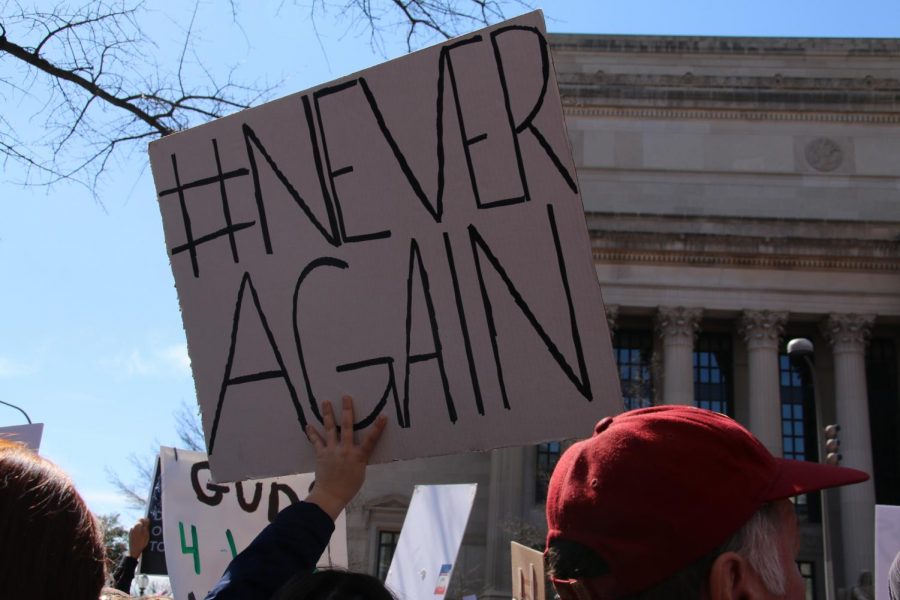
column 796, row 477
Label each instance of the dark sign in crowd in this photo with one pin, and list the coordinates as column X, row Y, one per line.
column 669, row 502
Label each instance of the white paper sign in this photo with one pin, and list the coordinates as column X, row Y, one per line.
column 887, row 552
column 411, row 235
column 206, row 524
column 30, row 434
column 429, row 541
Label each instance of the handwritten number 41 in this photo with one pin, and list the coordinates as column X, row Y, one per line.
column 194, row 548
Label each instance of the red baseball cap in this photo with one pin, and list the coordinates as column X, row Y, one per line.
column 655, row 489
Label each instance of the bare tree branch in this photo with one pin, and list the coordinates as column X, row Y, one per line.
column 101, row 92
column 91, row 73
column 423, row 21
column 136, row 491
column 189, row 429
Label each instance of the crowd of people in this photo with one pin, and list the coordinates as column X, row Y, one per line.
column 669, row 502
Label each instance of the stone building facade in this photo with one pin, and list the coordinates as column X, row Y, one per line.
column 739, row 192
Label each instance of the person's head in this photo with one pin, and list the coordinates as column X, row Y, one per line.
column 333, row 584
column 50, row 543
column 894, row 579
column 677, row 502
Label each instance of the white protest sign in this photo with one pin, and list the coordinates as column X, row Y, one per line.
column 429, row 541
column 30, row 434
column 411, row 235
column 527, row 572
column 887, row 552
column 206, row 524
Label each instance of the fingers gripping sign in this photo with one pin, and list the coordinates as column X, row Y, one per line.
column 138, row 537
column 340, row 462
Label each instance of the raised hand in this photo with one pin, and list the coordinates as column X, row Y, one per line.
column 138, row 537
column 340, row 463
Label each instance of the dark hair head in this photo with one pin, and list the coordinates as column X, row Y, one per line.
column 50, row 543
column 333, row 584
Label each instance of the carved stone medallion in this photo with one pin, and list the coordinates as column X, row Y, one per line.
column 824, row 154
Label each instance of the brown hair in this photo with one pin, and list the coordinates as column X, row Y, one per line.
column 50, row 543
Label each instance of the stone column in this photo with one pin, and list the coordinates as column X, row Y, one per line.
column 677, row 327
column 847, row 335
column 505, row 510
column 761, row 330
column 612, row 317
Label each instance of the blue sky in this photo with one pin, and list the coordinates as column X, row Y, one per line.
column 91, row 342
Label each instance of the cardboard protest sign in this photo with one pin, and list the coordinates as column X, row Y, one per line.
column 527, row 573
column 207, row 524
column 429, row 541
column 411, row 235
column 153, row 558
column 30, row 434
column 887, row 552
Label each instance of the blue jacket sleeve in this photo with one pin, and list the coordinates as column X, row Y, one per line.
column 292, row 542
column 124, row 574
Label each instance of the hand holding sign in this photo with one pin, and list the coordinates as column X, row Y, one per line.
column 340, row 464
column 138, row 537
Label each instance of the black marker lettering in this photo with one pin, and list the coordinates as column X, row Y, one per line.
column 528, row 122
column 446, row 63
column 335, row 173
column 325, row 261
column 280, row 373
column 230, row 228
column 218, row 491
column 252, row 141
column 242, row 502
column 415, row 262
column 273, row 498
column 390, row 388
column 476, row 388
column 479, row 246
column 435, row 211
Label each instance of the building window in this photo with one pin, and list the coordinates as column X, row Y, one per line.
column 634, row 351
column 808, row 572
column 793, row 410
column 547, row 456
column 712, row 373
column 798, row 426
column 387, row 543
column 884, row 418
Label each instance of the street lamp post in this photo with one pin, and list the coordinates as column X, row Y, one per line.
column 802, row 350
column 27, row 418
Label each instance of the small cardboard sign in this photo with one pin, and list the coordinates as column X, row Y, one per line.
column 153, row 558
column 30, row 434
column 411, row 235
column 887, row 552
column 429, row 541
column 207, row 524
column 527, row 573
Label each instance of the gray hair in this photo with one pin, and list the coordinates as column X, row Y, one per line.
column 757, row 541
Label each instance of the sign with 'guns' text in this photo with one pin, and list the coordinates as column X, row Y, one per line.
column 205, row 524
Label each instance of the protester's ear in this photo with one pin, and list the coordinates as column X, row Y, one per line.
column 732, row 578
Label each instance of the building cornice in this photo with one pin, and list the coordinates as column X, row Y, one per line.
column 786, row 251
column 769, row 261
column 572, row 107
column 727, row 46
column 774, row 93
